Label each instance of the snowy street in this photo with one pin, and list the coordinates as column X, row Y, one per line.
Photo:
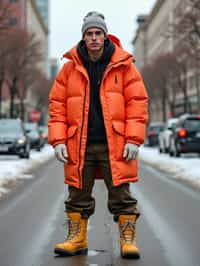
column 32, row 216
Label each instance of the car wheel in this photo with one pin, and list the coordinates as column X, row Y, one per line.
column 25, row 155
column 165, row 150
column 171, row 152
column 38, row 148
column 176, row 152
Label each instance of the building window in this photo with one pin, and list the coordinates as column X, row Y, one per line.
column 13, row 21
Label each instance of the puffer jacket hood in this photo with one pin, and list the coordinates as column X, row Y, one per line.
column 120, row 55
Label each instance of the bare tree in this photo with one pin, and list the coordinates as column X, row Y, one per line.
column 5, row 13
column 24, row 55
column 186, row 31
column 157, row 80
column 148, row 74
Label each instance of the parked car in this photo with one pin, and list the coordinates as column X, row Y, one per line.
column 185, row 137
column 153, row 130
column 164, row 135
column 33, row 132
column 13, row 138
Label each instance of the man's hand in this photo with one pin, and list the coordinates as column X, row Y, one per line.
column 61, row 153
column 130, row 151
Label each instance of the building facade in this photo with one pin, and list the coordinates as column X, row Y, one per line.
column 35, row 24
column 18, row 17
column 43, row 6
column 27, row 15
column 152, row 39
column 53, row 68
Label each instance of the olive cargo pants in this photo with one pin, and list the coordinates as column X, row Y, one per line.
column 120, row 200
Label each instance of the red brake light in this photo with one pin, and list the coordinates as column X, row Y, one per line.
column 182, row 132
column 151, row 133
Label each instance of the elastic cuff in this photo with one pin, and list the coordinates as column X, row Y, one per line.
column 116, row 217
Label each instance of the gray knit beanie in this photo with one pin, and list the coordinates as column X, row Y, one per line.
column 94, row 19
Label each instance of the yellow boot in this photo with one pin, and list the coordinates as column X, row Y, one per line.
column 76, row 242
column 127, row 229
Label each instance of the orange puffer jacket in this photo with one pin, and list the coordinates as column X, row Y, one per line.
column 124, row 105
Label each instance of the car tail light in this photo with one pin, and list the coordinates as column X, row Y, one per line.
column 151, row 133
column 182, row 132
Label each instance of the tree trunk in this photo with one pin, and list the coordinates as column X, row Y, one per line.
column 1, row 85
column 13, row 91
column 197, row 89
column 164, row 105
column 22, row 109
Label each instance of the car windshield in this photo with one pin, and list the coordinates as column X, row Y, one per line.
column 44, row 129
column 30, row 126
column 156, row 129
column 192, row 124
column 172, row 123
column 10, row 126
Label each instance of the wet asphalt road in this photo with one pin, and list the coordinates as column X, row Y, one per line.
column 168, row 231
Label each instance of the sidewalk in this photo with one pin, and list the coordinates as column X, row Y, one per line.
column 13, row 169
column 186, row 168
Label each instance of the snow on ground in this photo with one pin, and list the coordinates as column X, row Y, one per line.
column 12, row 168
column 186, row 167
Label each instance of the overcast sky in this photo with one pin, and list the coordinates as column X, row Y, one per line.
column 66, row 18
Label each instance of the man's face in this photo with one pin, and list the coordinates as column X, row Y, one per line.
column 94, row 39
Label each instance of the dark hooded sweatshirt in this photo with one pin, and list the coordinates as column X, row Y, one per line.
column 96, row 128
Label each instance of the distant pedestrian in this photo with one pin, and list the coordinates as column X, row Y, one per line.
column 98, row 116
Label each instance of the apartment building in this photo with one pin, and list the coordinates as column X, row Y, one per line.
column 28, row 15
column 152, row 39
column 43, row 6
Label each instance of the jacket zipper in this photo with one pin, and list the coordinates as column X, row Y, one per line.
column 105, row 73
column 108, row 69
column 83, row 116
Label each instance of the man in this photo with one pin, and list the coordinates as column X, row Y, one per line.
column 98, row 115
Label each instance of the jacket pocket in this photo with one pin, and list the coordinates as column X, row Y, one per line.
column 118, row 138
column 72, row 144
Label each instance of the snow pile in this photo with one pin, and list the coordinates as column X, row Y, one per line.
column 12, row 168
column 187, row 167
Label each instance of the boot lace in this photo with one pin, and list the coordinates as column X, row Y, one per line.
column 73, row 228
column 127, row 231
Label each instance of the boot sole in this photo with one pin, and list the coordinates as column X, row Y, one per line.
column 64, row 253
column 135, row 256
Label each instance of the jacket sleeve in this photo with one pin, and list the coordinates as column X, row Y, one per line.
column 136, row 106
column 57, row 124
